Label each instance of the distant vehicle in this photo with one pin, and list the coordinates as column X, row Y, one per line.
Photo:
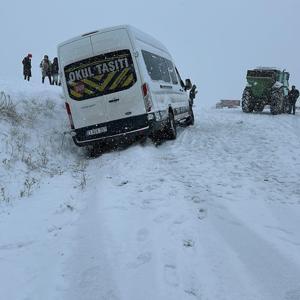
column 266, row 86
column 228, row 103
column 120, row 83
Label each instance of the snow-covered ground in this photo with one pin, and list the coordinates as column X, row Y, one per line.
column 212, row 215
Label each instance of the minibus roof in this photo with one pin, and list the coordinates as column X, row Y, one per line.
column 138, row 34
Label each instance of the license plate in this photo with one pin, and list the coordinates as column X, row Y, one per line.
column 96, row 131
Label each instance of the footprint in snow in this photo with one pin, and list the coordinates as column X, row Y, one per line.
column 17, row 245
column 170, row 275
column 162, row 218
column 197, row 199
column 188, row 243
column 142, row 235
column 141, row 259
column 89, row 276
column 123, row 183
column 180, row 220
column 191, row 292
column 202, row 213
column 151, row 188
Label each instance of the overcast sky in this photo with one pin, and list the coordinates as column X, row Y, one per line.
column 213, row 42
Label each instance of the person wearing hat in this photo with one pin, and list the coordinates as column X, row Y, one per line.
column 27, row 66
column 45, row 66
column 293, row 96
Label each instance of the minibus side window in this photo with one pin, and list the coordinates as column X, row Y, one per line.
column 152, row 65
column 157, row 66
column 172, row 72
column 164, row 70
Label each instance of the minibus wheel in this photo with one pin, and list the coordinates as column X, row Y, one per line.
column 95, row 150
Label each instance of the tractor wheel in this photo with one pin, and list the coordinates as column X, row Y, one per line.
column 286, row 105
column 277, row 99
column 247, row 105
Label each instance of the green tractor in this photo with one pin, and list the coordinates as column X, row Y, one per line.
column 266, row 86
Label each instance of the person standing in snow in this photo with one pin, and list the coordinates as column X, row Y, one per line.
column 293, row 96
column 27, row 67
column 45, row 66
column 54, row 71
column 193, row 93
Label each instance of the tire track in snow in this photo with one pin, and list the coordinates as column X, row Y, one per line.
column 230, row 146
column 163, row 220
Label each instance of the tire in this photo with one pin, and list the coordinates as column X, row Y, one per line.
column 171, row 130
column 190, row 120
column 259, row 107
column 247, row 105
column 277, row 100
column 95, row 150
column 286, row 105
column 143, row 140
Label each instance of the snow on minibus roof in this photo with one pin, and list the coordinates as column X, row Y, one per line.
column 140, row 35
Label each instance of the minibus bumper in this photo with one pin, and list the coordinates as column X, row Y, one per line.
column 114, row 132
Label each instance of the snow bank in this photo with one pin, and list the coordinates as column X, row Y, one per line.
column 34, row 145
column 41, row 175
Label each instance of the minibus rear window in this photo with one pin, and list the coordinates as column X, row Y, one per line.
column 100, row 75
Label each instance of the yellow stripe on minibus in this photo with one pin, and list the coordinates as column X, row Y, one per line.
column 119, row 78
column 75, row 94
column 106, row 81
column 128, row 80
column 98, row 77
column 92, row 84
column 87, row 91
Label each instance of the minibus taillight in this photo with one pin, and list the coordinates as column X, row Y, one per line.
column 145, row 89
column 69, row 115
column 147, row 98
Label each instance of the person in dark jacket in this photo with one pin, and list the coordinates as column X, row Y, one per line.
column 27, row 67
column 45, row 66
column 293, row 96
column 54, row 71
column 193, row 93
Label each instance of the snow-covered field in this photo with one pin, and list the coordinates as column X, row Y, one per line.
column 212, row 215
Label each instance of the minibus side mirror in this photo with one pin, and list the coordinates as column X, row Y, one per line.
column 188, row 84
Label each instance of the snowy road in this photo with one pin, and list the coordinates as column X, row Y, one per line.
column 213, row 215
